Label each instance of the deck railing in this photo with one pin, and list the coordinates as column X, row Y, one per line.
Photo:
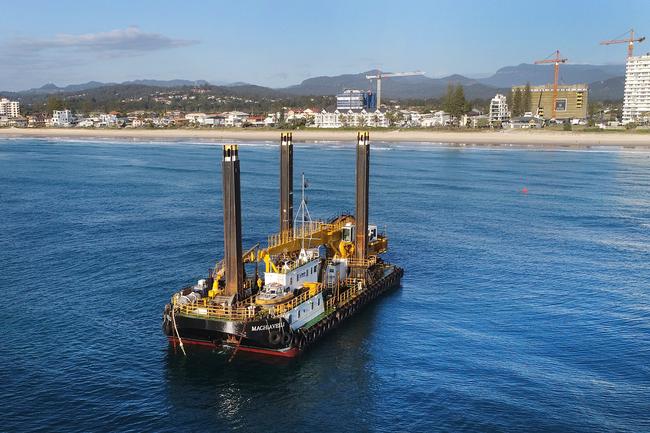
column 293, row 303
column 356, row 287
column 202, row 308
column 303, row 232
column 362, row 263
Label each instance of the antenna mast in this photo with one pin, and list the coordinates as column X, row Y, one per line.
column 303, row 211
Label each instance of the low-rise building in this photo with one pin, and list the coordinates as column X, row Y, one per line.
column 377, row 119
column 137, row 122
column 351, row 118
column 109, row 120
column 526, row 122
column 406, row 118
column 86, row 123
column 214, row 120
column 293, row 115
column 62, row 118
column 196, row 118
column 37, row 120
column 435, row 120
column 325, row 119
column 235, row 118
column 475, row 119
column 271, row 119
column 257, row 120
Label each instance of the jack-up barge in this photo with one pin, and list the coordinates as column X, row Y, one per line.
column 316, row 273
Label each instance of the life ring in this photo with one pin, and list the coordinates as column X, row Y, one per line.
column 275, row 338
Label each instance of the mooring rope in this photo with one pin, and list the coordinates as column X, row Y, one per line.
column 177, row 334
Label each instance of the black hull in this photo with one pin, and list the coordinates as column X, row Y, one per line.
column 272, row 336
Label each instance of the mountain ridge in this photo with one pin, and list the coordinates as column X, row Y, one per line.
column 605, row 81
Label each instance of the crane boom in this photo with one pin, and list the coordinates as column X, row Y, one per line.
column 381, row 75
column 629, row 41
column 394, row 74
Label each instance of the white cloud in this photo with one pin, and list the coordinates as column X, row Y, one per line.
column 131, row 39
column 39, row 60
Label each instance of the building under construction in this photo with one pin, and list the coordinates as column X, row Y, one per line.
column 571, row 101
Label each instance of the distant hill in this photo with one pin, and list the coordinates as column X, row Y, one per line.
column 52, row 88
column 501, row 81
column 606, row 83
column 542, row 74
column 607, row 90
column 168, row 83
column 392, row 88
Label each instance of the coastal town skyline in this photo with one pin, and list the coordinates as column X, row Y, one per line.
column 278, row 46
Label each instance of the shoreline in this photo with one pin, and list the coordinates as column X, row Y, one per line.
column 503, row 138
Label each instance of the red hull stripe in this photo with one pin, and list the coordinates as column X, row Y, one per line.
column 291, row 353
column 174, row 340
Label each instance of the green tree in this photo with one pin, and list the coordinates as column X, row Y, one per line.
column 454, row 101
column 54, row 103
column 448, row 101
column 459, row 102
column 517, row 103
column 392, row 118
column 87, row 106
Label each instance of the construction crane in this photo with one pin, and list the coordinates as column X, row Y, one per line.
column 556, row 61
column 629, row 41
column 381, row 75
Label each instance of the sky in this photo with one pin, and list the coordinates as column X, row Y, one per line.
column 280, row 43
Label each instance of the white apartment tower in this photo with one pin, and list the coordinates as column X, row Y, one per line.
column 499, row 109
column 9, row 108
column 636, row 100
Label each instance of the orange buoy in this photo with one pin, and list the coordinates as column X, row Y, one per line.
column 524, row 190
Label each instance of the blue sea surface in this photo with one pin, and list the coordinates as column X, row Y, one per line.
column 518, row 311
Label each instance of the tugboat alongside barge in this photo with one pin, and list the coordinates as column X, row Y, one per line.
column 316, row 273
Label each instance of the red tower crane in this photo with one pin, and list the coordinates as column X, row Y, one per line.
column 555, row 60
column 629, row 41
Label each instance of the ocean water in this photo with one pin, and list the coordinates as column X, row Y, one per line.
column 518, row 311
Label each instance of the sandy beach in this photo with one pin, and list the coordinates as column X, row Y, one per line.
column 519, row 138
